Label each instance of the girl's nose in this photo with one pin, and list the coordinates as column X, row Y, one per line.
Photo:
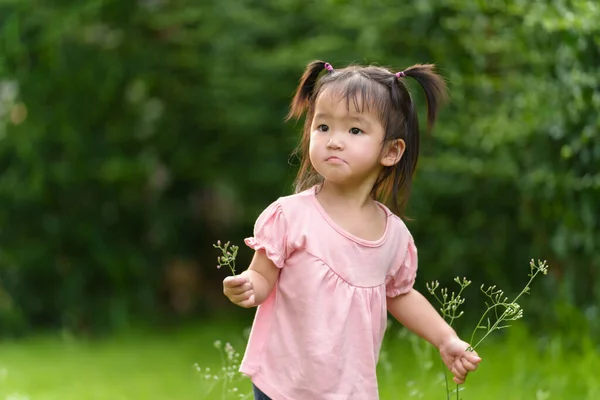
column 334, row 142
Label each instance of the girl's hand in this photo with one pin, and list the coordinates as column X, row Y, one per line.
column 458, row 360
column 239, row 290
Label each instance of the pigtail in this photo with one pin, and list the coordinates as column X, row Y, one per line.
column 433, row 85
column 306, row 88
column 399, row 186
column 301, row 103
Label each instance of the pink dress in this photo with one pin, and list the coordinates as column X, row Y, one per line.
column 318, row 335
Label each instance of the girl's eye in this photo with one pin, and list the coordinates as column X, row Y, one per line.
column 323, row 128
column 356, row 131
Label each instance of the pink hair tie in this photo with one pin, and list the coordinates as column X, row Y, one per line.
column 328, row 67
column 400, row 74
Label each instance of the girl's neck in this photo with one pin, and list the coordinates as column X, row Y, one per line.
column 350, row 197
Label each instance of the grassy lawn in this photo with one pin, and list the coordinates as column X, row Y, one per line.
column 152, row 366
column 133, row 366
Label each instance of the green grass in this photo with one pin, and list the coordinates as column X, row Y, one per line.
column 515, row 368
column 133, row 366
column 144, row 366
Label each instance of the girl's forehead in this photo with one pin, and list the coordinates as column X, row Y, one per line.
column 330, row 99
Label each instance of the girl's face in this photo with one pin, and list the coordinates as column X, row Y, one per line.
column 346, row 144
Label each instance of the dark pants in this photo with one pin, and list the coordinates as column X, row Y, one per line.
column 258, row 395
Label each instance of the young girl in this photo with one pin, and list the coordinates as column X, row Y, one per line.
column 331, row 260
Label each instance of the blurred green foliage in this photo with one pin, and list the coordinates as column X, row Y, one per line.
column 133, row 134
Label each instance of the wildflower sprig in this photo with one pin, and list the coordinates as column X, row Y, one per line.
column 229, row 254
column 450, row 310
column 229, row 376
column 497, row 305
column 504, row 310
column 449, row 305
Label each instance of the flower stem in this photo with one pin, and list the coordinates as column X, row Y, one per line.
column 499, row 320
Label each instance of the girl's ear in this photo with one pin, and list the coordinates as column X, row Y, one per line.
column 393, row 152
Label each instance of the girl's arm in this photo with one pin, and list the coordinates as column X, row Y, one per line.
column 262, row 275
column 418, row 315
column 252, row 287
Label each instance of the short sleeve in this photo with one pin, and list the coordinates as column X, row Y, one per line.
column 271, row 234
column 403, row 279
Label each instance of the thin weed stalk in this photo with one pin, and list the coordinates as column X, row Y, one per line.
column 502, row 309
column 229, row 253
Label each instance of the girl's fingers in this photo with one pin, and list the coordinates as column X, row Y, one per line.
column 238, row 298
column 458, row 381
column 472, row 357
column 234, row 281
column 247, row 303
column 238, row 290
column 243, row 288
column 458, row 370
column 468, row 365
